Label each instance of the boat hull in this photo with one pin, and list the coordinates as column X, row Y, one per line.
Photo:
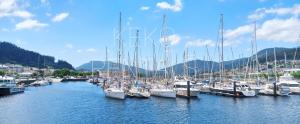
column 115, row 94
column 9, row 91
column 163, row 93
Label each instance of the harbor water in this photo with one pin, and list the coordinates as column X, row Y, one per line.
column 84, row 103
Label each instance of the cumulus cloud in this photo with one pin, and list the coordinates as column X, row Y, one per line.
column 284, row 30
column 10, row 8
column 172, row 39
column 200, row 43
column 60, row 17
column 30, row 24
column 165, row 5
column 145, row 8
column 278, row 11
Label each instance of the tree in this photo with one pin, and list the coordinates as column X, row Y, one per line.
column 2, row 72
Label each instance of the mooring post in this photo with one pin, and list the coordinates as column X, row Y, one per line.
column 274, row 89
column 234, row 88
column 188, row 89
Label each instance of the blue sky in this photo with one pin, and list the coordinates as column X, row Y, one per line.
column 78, row 31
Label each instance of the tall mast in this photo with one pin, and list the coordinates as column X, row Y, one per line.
column 137, row 55
column 120, row 41
column 267, row 65
column 256, row 58
column 154, row 60
column 165, row 42
column 195, row 66
column 294, row 62
column 106, row 57
column 222, row 42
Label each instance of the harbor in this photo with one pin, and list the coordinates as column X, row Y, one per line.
column 149, row 62
column 82, row 102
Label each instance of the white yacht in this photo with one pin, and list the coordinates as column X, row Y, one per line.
column 242, row 90
column 293, row 85
column 161, row 91
column 55, row 80
column 181, row 89
column 116, row 93
column 42, row 82
column 8, row 86
column 282, row 89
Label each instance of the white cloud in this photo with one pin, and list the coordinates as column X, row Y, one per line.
column 279, row 11
column 70, row 46
column 200, row 43
column 165, row 5
column 30, row 24
column 22, row 14
column 145, row 8
column 10, row 8
column 239, row 31
column 60, row 17
column 280, row 30
column 91, row 50
column 172, row 39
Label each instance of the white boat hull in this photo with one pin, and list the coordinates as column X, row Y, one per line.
column 114, row 94
column 163, row 93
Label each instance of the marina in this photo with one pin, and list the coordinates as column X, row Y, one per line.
column 149, row 62
column 82, row 102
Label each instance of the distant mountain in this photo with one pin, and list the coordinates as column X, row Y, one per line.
column 261, row 55
column 10, row 53
column 103, row 66
column 206, row 66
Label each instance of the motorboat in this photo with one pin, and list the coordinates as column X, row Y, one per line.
column 293, row 85
column 275, row 89
column 8, row 86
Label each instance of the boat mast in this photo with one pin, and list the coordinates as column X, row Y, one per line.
column 106, row 57
column 267, row 65
column 165, row 41
column 154, row 62
column 257, row 62
column 294, row 62
column 222, row 44
column 195, row 66
column 275, row 64
column 136, row 55
column 120, row 41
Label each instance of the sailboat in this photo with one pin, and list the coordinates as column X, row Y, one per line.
column 42, row 81
column 109, row 90
column 233, row 88
column 137, row 88
column 276, row 89
column 160, row 90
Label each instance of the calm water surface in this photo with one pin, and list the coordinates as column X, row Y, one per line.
column 83, row 103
